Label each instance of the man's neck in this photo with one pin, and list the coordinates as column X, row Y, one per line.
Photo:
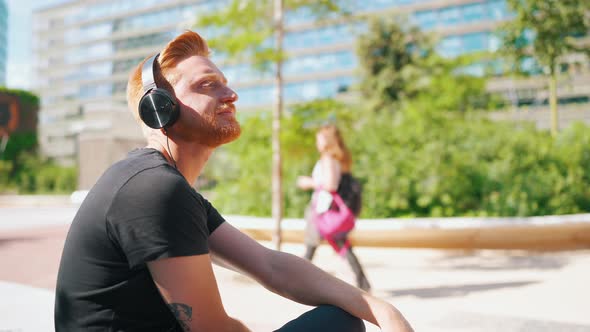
column 188, row 157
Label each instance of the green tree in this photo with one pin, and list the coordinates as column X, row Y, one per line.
column 547, row 30
column 399, row 65
column 25, row 97
column 450, row 88
column 244, row 31
column 393, row 62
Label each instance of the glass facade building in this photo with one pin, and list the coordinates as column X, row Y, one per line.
column 3, row 40
column 86, row 48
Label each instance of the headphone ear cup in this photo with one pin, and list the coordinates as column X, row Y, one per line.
column 158, row 109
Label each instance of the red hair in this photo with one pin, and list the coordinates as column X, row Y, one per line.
column 335, row 146
column 183, row 46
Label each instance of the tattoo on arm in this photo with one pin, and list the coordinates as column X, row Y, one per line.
column 183, row 313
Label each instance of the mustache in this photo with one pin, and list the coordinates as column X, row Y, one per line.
column 225, row 107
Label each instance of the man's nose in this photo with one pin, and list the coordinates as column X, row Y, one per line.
column 230, row 96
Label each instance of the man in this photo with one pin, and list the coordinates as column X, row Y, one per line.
column 139, row 251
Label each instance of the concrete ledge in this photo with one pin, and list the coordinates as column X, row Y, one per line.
column 535, row 233
column 35, row 200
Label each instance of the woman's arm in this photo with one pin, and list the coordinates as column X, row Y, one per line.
column 305, row 183
column 330, row 173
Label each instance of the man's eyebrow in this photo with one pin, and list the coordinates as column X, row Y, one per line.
column 210, row 75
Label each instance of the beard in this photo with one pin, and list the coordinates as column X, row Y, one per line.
column 215, row 130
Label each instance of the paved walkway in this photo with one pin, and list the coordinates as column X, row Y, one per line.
column 437, row 290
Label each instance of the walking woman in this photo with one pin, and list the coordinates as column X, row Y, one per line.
column 330, row 170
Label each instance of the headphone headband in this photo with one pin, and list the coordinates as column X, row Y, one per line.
column 147, row 73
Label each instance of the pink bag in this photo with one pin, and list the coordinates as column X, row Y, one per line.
column 337, row 220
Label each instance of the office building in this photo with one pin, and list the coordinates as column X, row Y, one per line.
column 85, row 49
column 3, row 40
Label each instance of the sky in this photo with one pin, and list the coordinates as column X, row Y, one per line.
column 19, row 67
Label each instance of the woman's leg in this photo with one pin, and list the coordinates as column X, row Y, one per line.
column 361, row 278
column 309, row 252
column 312, row 235
column 325, row 318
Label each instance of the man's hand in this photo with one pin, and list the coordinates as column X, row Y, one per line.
column 389, row 318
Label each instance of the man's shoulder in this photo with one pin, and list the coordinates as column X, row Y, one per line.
column 140, row 159
column 147, row 165
column 159, row 181
column 159, row 190
column 142, row 174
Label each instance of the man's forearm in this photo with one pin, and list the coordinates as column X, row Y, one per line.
column 301, row 281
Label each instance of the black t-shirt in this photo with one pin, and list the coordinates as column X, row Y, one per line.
column 140, row 210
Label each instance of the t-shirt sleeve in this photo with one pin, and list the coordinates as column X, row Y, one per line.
column 214, row 219
column 155, row 217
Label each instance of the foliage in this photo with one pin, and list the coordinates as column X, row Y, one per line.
column 450, row 89
column 35, row 175
column 17, row 143
column 25, row 97
column 547, row 29
column 393, row 61
column 399, row 65
column 23, row 171
column 241, row 171
column 416, row 163
column 243, row 29
column 431, row 164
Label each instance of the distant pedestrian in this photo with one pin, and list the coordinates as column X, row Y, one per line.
column 332, row 173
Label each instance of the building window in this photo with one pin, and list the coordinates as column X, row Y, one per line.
column 320, row 63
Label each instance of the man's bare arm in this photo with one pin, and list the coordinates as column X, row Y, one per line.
column 301, row 281
column 189, row 288
column 310, row 285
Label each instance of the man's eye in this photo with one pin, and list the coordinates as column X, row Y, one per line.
column 208, row 84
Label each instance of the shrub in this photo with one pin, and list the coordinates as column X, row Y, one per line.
column 413, row 163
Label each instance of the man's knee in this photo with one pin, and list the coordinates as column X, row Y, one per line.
column 341, row 320
column 325, row 318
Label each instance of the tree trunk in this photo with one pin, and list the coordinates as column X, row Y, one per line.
column 277, row 176
column 553, row 101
